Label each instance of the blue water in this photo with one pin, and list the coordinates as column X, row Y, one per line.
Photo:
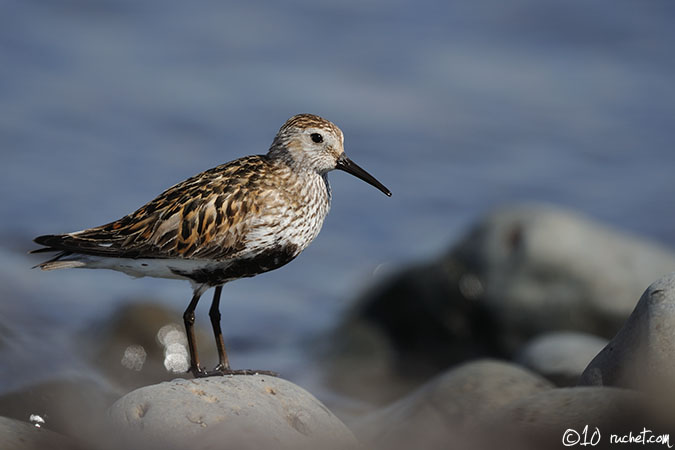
column 456, row 106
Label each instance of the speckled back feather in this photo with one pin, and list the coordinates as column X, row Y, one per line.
column 206, row 217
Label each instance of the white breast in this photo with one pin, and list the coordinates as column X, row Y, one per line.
column 293, row 216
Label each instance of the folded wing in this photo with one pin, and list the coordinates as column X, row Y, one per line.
column 204, row 217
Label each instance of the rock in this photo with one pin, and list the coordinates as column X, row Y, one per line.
column 362, row 362
column 17, row 435
column 73, row 407
column 449, row 407
column 238, row 412
column 405, row 330
column 560, row 356
column 519, row 272
column 542, row 268
column 642, row 354
column 542, row 420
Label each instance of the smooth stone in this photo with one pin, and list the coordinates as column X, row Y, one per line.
column 642, row 354
column 238, row 412
column 540, row 268
column 542, row 419
column 448, row 407
column 18, row 435
column 405, row 330
column 560, row 356
column 74, row 407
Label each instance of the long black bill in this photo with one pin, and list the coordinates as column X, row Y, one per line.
column 350, row 166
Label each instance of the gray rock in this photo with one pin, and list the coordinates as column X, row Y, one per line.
column 541, row 420
column 406, row 330
column 73, row 407
column 642, row 354
column 237, row 412
column 519, row 272
column 560, row 356
column 449, row 407
column 541, row 268
column 17, row 435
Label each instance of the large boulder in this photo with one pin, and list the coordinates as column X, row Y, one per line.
column 541, row 268
column 563, row 417
column 449, row 408
column 74, row 407
column 226, row 412
column 491, row 404
column 642, row 354
column 519, row 272
column 18, row 435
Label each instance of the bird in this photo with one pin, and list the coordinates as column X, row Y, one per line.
column 239, row 219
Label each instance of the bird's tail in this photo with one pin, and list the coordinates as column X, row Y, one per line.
column 54, row 265
column 60, row 261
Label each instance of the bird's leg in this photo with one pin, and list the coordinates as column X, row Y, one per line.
column 189, row 321
column 223, row 367
column 214, row 314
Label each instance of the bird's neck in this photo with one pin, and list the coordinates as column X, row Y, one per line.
column 282, row 156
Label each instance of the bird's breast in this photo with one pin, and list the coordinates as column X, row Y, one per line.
column 291, row 215
column 307, row 218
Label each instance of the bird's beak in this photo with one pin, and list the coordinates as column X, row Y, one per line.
column 349, row 166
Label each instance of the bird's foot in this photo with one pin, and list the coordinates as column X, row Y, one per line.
column 227, row 371
column 222, row 371
column 198, row 371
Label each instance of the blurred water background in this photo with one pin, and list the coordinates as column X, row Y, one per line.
column 456, row 106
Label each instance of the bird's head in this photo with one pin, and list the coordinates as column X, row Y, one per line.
column 310, row 142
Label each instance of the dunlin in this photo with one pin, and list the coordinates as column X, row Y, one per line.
column 237, row 220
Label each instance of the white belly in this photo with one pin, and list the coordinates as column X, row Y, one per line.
column 142, row 267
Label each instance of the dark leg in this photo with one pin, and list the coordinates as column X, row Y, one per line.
column 189, row 321
column 223, row 367
column 214, row 314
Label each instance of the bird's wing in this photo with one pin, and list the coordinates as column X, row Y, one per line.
column 207, row 216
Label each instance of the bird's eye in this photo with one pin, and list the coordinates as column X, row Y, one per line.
column 316, row 137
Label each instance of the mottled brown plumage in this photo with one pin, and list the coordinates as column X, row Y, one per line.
column 204, row 217
column 239, row 219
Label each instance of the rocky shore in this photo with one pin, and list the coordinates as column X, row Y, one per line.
column 529, row 333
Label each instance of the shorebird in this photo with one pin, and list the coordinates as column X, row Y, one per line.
column 239, row 219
